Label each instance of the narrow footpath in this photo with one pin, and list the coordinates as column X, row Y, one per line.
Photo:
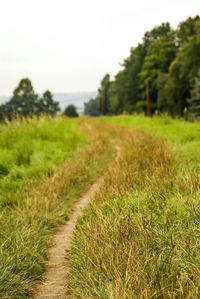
column 54, row 283
column 55, row 277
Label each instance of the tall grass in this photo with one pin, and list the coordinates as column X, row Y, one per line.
column 140, row 237
column 31, row 149
column 185, row 136
column 27, row 227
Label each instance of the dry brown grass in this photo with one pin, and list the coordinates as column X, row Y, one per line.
column 140, row 238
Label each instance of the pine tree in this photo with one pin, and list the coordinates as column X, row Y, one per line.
column 194, row 101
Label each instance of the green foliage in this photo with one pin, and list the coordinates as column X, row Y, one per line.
column 25, row 102
column 168, row 60
column 125, row 91
column 101, row 104
column 194, row 100
column 24, row 99
column 92, row 107
column 104, row 94
column 70, row 111
column 159, row 56
column 181, row 76
column 161, row 96
column 156, row 33
column 186, row 29
column 47, row 105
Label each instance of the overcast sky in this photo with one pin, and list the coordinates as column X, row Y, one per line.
column 68, row 45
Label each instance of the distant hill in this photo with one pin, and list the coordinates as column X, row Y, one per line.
column 75, row 98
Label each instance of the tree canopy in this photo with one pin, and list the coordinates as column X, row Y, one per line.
column 194, row 100
column 70, row 111
column 168, row 60
column 25, row 102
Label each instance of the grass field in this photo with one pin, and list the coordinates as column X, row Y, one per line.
column 47, row 165
column 140, row 238
column 184, row 136
column 31, row 149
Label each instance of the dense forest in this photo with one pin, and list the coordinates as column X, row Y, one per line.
column 164, row 67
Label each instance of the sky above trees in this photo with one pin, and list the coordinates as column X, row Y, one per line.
column 69, row 45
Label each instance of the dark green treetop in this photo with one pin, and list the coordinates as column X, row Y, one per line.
column 158, row 59
column 186, row 29
column 25, row 102
column 104, row 94
column 24, row 99
column 70, row 111
column 92, row 107
column 181, row 75
column 47, row 104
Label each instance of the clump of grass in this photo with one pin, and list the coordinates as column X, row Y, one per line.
column 140, row 237
column 26, row 228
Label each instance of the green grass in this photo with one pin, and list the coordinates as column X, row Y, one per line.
column 66, row 157
column 184, row 135
column 31, row 149
column 140, row 237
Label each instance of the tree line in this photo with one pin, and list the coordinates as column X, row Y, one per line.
column 25, row 102
column 165, row 65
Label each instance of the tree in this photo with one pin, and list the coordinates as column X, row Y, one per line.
column 167, row 60
column 181, row 75
column 24, row 100
column 6, row 111
column 194, row 100
column 159, row 57
column 125, row 91
column 186, row 29
column 92, row 107
column 104, row 94
column 156, row 33
column 161, row 97
column 70, row 111
column 118, row 93
column 47, row 105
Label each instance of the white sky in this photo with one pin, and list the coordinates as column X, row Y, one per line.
column 68, row 45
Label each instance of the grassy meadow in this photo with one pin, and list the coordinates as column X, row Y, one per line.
column 31, row 150
column 46, row 165
column 140, row 237
column 184, row 136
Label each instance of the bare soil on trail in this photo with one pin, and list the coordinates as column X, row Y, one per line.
column 55, row 277
column 54, row 283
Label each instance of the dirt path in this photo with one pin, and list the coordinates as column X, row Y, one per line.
column 54, row 284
